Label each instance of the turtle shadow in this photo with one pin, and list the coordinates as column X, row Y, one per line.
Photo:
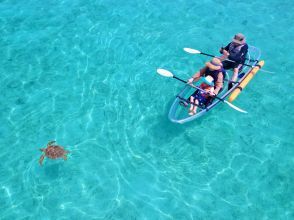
column 52, row 171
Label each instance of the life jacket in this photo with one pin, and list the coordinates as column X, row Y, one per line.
column 235, row 51
column 202, row 97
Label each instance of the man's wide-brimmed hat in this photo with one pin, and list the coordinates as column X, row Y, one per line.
column 214, row 64
column 239, row 38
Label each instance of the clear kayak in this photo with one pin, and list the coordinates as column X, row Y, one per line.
column 178, row 112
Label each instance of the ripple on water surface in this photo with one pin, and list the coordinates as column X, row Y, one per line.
column 83, row 73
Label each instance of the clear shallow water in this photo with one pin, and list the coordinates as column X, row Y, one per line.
column 83, row 73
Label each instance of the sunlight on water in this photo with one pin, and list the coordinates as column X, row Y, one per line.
column 84, row 73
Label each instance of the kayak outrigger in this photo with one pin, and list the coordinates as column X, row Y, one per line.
column 178, row 112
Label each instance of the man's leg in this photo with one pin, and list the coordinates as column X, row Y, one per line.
column 234, row 77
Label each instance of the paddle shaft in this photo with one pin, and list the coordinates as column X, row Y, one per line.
column 180, row 79
column 215, row 96
column 209, row 55
column 251, row 66
column 196, row 87
column 167, row 73
column 206, row 54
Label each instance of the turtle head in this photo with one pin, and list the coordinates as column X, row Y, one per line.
column 42, row 149
column 51, row 143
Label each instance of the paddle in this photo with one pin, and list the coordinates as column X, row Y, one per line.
column 193, row 51
column 167, row 73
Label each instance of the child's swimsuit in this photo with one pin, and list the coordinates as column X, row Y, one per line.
column 201, row 97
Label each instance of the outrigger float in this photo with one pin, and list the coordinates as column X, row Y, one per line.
column 245, row 81
column 178, row 112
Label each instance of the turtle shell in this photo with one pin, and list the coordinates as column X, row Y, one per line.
column 54, row 152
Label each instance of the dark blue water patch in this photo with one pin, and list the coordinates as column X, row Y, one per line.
column 15, row 84
column 20, row 101
column 52, row 171
column 244, row 22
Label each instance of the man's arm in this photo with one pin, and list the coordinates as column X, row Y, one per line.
column 243, row 52
column 224, row 48
column 225, row 52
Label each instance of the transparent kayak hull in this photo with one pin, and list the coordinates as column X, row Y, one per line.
column 179, row 114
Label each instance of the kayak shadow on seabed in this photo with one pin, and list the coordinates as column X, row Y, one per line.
column 165, row 131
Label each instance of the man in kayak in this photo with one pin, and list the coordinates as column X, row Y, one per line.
column 215, row 69
column 201, row 98
column 234, row 55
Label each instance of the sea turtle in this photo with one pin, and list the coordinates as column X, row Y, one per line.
column 53, row 151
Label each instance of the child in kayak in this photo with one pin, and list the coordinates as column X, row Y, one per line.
column 201, row 98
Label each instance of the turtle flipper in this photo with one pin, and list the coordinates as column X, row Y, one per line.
column 50, row 143
column 64, row 157
column 41, row 159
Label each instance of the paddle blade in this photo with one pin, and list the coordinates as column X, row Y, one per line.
column 266, row 71
column 164, row 72
column 192, row 51
column 234, row 107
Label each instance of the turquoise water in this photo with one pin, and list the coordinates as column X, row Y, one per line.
column 84, row 73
